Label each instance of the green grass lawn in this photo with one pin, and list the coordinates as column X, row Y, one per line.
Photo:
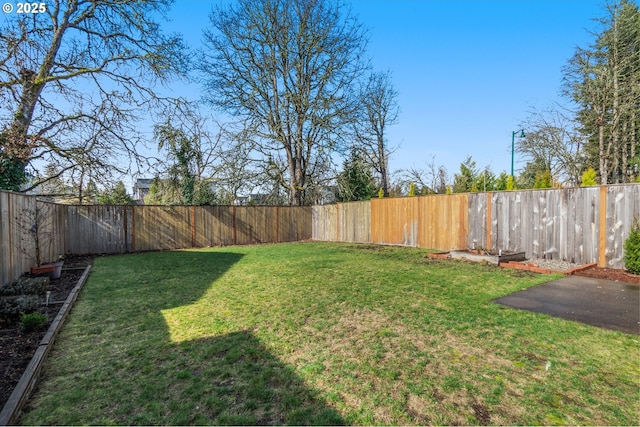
column 322, row 333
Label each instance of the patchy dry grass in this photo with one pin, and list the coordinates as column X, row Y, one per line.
column 321, row 333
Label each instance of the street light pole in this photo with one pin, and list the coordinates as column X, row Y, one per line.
column 513, row 143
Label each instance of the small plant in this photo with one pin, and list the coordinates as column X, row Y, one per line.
column 543, row 180
column 632, row 249
column 380, row 193
column 32, row 321
column 589, row 178
column 412, row 189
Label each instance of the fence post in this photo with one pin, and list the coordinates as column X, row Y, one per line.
column 488, row 221
column 233, row 223
column 602, row 238
column 133, row 228
column 277, row 224
column 193, row 226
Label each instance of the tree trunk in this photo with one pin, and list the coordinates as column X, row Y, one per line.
column 602, row 158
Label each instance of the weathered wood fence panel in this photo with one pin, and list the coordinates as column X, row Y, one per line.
column 17, row 247
column 622, row 207
column 354, row 222
column 342, row 222
column 30, row 231
column 294, row 223
column 51, row 230
column 255, row 224
column 161, row 228
column 99, row 229
column 325, row 223
column 582, row 225
column 213, row 226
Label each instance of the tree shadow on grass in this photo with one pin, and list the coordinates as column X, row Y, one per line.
column 120, row 364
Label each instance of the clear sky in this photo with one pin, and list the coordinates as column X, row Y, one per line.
column 467, row 71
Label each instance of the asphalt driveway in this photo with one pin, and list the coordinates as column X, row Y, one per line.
column 602, row 303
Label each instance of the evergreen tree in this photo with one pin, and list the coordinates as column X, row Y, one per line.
column 589, row 178
column 543, row 180
column 117, row 195
column 355, row 182
column 604, row 80
column 463, row 182
column 501, row 182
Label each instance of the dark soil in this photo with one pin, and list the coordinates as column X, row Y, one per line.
column 610, row 274
column 16, row 346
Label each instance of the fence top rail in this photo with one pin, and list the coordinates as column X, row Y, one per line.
column 632, row 184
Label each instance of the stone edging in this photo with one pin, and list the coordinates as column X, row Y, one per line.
column 521, row 265
column 21, row 393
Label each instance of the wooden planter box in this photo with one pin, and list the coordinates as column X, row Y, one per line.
column 41, row 269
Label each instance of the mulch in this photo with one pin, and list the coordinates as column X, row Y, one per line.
column 18, row 347
column 610, row 274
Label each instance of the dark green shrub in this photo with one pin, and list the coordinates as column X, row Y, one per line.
column 12, row 306
column 26, row 286
column 32, row 321
column 632, row 249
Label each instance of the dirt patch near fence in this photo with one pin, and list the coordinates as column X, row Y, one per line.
column 18, row 347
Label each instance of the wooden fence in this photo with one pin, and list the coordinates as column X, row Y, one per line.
column 119, row 229
column 105, row 229
column 582, row 225
column 342, row 222
column 27, row 224
column 437, row 221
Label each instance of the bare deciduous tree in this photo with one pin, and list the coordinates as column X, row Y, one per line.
column 72, row 79
column 553, row 142
column 379, row 110
column 288, row 68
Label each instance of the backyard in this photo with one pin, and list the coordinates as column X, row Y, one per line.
column 325, row 333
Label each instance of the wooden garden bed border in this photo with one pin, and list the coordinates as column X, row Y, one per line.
column 11, row 409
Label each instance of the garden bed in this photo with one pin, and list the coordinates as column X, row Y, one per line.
column 18, row 347
column 550, row 267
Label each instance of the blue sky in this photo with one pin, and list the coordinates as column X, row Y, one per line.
column 467, row 71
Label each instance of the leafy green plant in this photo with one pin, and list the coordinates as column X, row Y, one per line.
column 632, row 249
column 543, row 180
column 589, row 178
column 32, row 321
